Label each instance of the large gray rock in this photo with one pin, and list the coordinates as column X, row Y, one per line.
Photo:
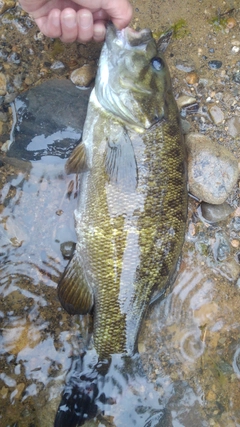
column 212, row 169
column 50, row 119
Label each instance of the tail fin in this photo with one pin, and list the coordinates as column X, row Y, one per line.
column 115, row 388
column 77, row 404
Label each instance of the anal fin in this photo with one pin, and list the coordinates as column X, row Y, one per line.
column 74, row 293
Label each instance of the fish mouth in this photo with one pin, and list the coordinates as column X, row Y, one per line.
column 127, row 37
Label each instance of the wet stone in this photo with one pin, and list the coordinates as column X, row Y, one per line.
column 216, row 114
column 83, row 76
column 57, row 65
column 233, row 125
column 192, row 78
column 6, row 5
column 215, row 213
column 212, row 169
column 214, row 64
column 42, row 111
column 14, row 58
column 221, row 247
column 3, row 84
column 67, row 249
column 185, row 100
column 185, row 65
column 236, row 77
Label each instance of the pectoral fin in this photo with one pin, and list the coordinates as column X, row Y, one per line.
column 74, row 293
column 120, row 162
column 77, row 162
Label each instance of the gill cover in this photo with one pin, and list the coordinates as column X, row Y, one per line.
column 133, row 80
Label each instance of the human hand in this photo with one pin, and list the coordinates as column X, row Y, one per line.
column 80, row 20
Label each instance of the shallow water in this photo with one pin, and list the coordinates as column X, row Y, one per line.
column 189, row 343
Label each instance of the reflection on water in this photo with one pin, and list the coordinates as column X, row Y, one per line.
column 35, row 345
column 189, row 367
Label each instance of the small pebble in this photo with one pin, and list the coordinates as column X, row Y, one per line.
column 236, row 77
column 83, row 76
column 235, row 49
column 67, row 249
column 235, row 243
column 57, row 65
column 233, row 125
column 216, row 114
column 214, row 64
column 192, row 78
column 6, row 5
column 185, row 100
column 184, row 65
column 14, row 58
column 231, row 22
column 215, row 213
column 3, row 84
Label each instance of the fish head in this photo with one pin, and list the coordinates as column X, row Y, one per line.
column 133, row 80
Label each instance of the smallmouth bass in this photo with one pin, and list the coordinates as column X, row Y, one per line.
column 131, row 216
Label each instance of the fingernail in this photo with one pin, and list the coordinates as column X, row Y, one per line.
column 99, row 34
column 69, row 20
column 85, row 20
column 55, row 20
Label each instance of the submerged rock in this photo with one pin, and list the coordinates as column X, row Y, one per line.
column 215, row 213
column 212, row 169
column 50, row 119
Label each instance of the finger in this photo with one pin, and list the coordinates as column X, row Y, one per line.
column 100, row 15
column 120, row 13
column 85, row 25
column 50, row 25
column 99, row 31
column 69, row 25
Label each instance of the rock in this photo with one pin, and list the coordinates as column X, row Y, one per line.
column 57, row 65
column 185, row 100
column 235, row 49
column 192, row 78
column 6, row 5
column 231, row 22
column 67, row 249
column 214, row 64
column 185, row 65
column 215, row 213
column 212, row 169
column 216, row 114
column 234, row 126
column 55, row 109
column 186, row 126
column 3, row 84
column 83, row 76
column 236, row 77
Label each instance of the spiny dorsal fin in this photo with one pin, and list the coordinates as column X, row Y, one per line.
column 74, row 293
column 120, row 162
column 77, row 162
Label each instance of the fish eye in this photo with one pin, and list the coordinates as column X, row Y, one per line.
column 157, row 63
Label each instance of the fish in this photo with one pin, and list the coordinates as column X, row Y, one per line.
column 132, row 208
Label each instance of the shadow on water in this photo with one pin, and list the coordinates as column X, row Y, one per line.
column 188, row 369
